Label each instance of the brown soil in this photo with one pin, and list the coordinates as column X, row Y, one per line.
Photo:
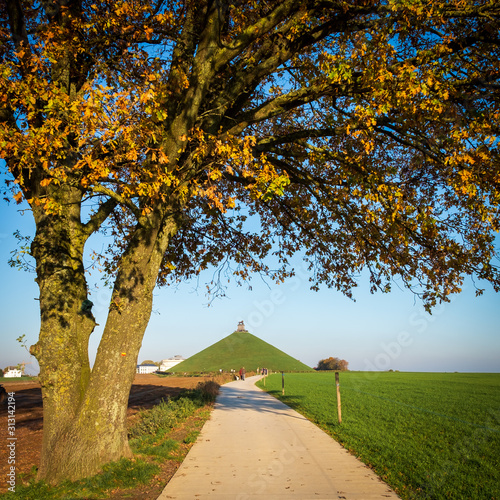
column 147, row 391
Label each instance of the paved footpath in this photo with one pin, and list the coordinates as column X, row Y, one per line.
column 254, row 446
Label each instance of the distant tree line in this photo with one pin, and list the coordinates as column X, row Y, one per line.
column 150, row 362
column 333, row 364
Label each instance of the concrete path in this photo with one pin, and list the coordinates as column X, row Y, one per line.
column 254, row 446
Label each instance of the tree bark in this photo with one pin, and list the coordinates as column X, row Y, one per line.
column 85, row 410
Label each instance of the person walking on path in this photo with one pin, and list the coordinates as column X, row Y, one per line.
column 286, row 456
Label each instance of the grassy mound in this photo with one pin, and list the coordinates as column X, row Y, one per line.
column 237, row 350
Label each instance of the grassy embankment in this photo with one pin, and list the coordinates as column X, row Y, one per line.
column 428, row 435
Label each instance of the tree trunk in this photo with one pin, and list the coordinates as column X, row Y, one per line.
column 66, row 322
column 79, row 441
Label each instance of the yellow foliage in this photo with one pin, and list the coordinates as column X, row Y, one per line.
column 388, row 122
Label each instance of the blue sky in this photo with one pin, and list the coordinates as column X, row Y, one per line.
column 377, row 332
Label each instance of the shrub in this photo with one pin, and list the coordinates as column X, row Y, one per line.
column 163, row 416
column 208, row 390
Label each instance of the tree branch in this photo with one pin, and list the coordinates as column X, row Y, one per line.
column 119, row 200
column 99, row 217
column 17, row 24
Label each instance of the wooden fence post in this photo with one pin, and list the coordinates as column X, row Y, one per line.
column 339, row 409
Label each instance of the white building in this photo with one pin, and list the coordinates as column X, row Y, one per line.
column 12, row 372
column 169, row 363
column 147, row 368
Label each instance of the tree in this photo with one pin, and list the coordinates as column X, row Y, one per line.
column 21, row 367
column 333, row 364
column 362, row 135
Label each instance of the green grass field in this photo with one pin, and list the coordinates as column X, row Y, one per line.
column 6, row 380
column 429, row 435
